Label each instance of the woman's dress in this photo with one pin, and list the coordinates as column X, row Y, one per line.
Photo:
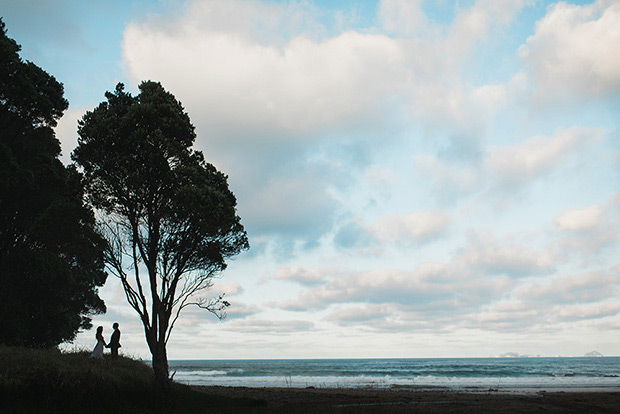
column 98, row 351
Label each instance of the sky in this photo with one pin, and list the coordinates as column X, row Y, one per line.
column 417, row 178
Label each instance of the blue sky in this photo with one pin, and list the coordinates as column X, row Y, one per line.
column 417, row 178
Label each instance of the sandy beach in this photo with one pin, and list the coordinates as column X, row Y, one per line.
column 326, row 400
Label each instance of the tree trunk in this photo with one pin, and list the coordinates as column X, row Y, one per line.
column 160, row 366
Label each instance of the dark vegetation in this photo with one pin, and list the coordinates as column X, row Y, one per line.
column 51, row 257
column 48, row 381
column 167, row 215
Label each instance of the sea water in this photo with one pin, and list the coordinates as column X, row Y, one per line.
column 419, row 373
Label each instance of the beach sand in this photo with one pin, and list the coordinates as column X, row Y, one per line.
column 332, row 400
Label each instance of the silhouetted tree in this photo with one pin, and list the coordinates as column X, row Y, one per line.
column 51, row 257
column 169, row 217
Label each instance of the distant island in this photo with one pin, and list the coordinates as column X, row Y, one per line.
column 517, row 355
column 594, row 354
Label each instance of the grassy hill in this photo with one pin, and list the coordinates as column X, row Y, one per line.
column 47, row 381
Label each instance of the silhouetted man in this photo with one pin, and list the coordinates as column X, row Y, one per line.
column 115, row 341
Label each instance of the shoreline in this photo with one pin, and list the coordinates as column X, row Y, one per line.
column 279, row 399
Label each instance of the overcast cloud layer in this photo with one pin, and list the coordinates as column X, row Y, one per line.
column 417, row 179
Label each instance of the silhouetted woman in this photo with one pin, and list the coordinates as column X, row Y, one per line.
column 98, row 351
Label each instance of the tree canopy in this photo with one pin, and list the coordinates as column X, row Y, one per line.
column 51, row 257
column 166, row 213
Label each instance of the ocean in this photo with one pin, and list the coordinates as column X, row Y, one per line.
column 419, row 373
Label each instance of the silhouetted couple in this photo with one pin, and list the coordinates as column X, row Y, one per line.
column 114, row 344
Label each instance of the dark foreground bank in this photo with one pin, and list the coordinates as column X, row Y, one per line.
column 50, row 381
column 318, row 400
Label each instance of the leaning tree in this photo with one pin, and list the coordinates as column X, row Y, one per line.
column 51, row 257
column 168, row 216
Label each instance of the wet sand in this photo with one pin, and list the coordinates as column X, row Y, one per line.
column 338, row 400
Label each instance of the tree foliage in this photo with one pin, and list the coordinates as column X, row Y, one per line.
column 51, row 257
column 168, row 216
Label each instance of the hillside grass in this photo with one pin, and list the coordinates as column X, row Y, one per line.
column 47, row 381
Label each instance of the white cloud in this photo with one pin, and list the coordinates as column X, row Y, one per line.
column 417, row 227
column 474, row 24
column 538, row 155
column 574, row 50
column 357, row 314
column 542, row 306
column 579, row 219
column 490, row 97
column 66, row 132
column 272, row 327
column 255, row 72
column 503, row 318
column 588, row 247
column 448, row 180
column 229, row 288
column 238, row 84
column 589, row 311
column 432, row 287
column 299, row 274
column 587, row 233
column 582, row 288
column 403, row 18
column 490, row 255
column 240, row 310
column 504, row 169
